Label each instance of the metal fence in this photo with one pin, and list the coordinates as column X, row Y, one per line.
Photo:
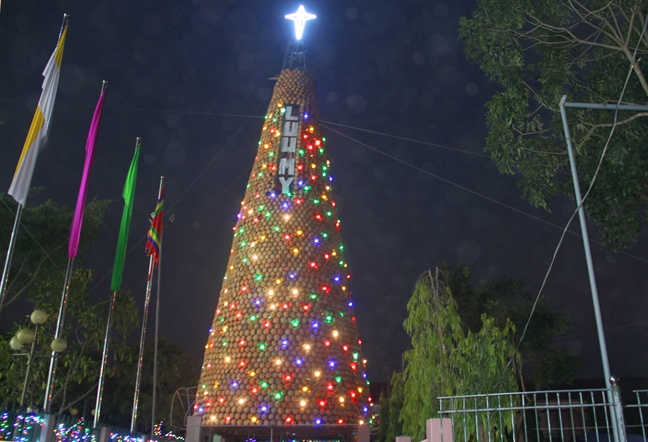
column 543, row 416
column 637, row 415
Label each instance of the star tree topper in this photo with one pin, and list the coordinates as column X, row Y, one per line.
column 300, row 18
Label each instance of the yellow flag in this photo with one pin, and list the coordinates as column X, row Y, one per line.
column 37, row 136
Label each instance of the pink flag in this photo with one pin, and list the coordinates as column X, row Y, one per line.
column 75, row 232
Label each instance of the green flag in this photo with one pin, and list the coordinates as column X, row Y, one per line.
column 129, row 196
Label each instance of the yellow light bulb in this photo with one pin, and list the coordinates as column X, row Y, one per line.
column 278, row 362
column 227, row 359
column 317, row 373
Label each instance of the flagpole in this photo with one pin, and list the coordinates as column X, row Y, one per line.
column 65, row 19
column 138, row 378
column 8, row 259
column 73, row 245
column 104, row 357
column 157, row 331
column 104, row 360
column 59, row 328
column 21, row 203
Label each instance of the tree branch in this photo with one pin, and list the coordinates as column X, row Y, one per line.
column 80, row 398
column 28, row 284
column 593, row 127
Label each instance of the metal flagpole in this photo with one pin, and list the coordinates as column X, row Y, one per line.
column 10, row 250
column 104, row 361
column 14, row 232
column 138, row 378
column 157, row 331
column 59, row 328
column 104, row 357
column 618, row 430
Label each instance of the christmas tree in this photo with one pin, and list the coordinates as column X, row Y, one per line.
column 284, row 347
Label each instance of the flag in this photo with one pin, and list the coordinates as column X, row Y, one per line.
column 77, row 222
column 154, row 240
column 37, row 135
column 129, row 195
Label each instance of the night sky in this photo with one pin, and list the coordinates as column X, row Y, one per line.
column 192, row 79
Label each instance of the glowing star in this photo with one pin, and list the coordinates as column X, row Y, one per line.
column 300, row 18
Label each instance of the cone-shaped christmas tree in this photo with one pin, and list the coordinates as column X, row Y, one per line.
column 284, row 347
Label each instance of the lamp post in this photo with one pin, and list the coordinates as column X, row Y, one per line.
column 27, row 336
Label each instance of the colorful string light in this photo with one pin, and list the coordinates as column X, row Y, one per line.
column 284, row 298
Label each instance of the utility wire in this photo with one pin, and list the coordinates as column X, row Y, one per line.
column 59, row 268
column 481, row 195
column 408, row 139
column 144, row 109
column 190, row 186
column 591, row 185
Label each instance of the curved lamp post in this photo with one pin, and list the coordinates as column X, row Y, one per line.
column 27, row 336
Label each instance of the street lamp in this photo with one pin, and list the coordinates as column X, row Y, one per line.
column 27, row 336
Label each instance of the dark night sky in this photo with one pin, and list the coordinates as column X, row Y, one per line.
column 192, row 79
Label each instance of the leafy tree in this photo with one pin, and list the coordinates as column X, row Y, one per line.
column 445, row 359
column 36, row 280
column 504, row 300
column 40, row 253
column 537, row 50
column 389, row 424
column 176, row 369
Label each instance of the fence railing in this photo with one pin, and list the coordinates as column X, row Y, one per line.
column 541, row 416
column 637, row 415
